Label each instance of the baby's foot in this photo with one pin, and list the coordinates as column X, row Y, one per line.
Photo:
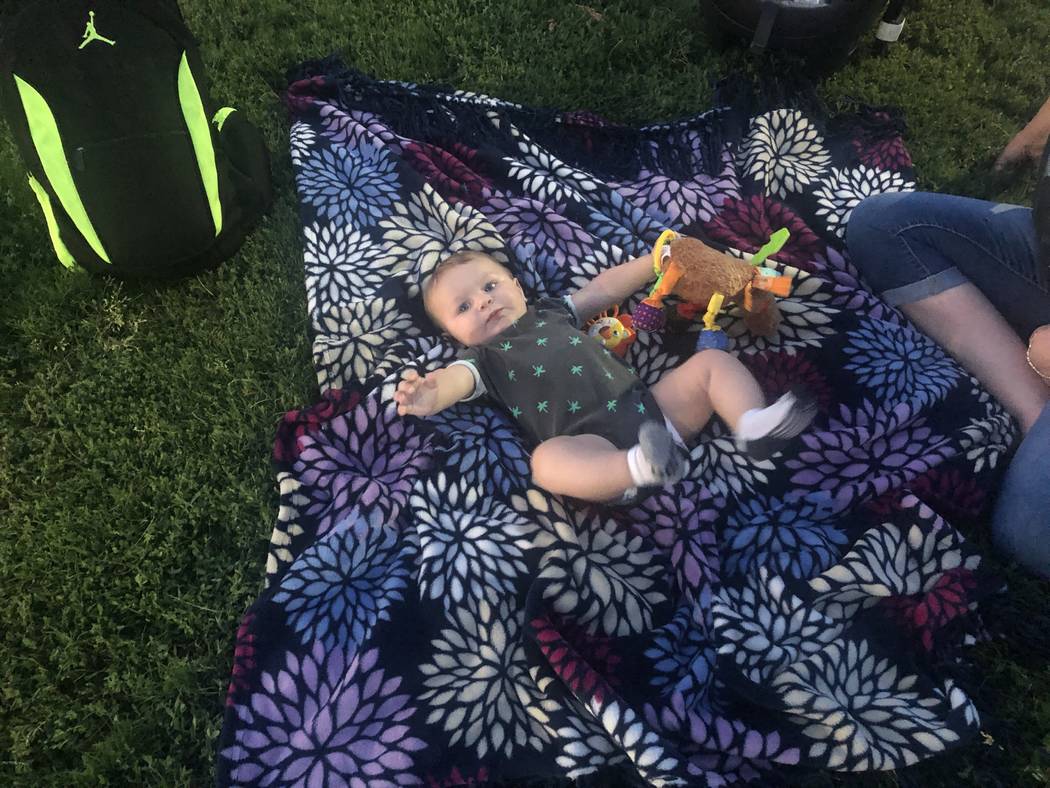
column 656, row 460
column 762, row 432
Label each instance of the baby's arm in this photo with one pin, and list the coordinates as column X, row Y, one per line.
column 612, row 286
column 433, row 392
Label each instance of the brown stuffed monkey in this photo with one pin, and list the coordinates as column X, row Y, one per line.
column 695, row 272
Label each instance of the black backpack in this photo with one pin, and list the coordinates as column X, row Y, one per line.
column 137, row 172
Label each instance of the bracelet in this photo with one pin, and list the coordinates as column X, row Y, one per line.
column 1028, row 357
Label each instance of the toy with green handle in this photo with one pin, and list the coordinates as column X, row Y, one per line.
column 703, row 277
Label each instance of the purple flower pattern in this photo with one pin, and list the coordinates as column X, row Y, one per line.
column 683, row 522
column 683, row 201
column 324, row 719
column 555, row 237
column 368, row 458
column 866, row 452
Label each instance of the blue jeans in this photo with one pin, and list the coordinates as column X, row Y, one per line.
column 913, row 245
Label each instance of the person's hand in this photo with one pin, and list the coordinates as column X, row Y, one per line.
column 415, row 395
column 1025, row 146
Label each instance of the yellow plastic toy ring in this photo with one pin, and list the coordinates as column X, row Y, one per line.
column 658, row 248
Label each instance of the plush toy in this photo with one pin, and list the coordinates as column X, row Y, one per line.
column 613, row 330
column 704, row 277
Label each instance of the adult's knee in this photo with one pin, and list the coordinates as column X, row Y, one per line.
column 1021, row 527
column 872, row 239
column 874, row 220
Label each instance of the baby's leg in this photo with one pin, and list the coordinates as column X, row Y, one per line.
column 584, row 466
column 711, row 381
column 591, row 468
column 714, row 381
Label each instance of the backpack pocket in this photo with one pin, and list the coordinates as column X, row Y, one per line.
column 146, row 199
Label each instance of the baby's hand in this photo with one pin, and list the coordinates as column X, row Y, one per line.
column 415, row 395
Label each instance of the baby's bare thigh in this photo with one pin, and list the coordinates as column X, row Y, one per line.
column 682, row 396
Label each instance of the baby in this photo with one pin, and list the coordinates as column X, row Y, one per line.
column 599, row 432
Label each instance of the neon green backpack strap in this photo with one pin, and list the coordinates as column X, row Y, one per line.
column 63, row 253
column 48, row 143
column 219, row 118
column 200, row 136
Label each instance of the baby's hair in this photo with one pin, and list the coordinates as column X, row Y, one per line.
column 459, row 258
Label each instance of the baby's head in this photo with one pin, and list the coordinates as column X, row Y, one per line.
column 472, row 298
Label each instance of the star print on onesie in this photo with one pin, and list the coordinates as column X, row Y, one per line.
column 555, row 380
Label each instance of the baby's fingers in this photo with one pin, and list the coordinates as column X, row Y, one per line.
column 409, row 409
column 409, row 385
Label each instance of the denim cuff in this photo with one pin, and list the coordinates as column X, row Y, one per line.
column 924, row 288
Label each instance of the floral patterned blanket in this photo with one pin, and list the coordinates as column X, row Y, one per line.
column 431, row 618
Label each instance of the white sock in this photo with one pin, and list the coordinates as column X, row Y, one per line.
column 759, row 422
column 642, row 473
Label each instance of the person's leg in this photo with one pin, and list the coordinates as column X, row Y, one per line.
column 583, row 466
column 965, row 272
column 965, row 324
column 709, row 382
column 712, row 381
column 1021, row 518
column 592, row 468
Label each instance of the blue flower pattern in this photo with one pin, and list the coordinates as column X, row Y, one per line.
column 357, row 186
column 341, row 586
column 899, row 364
column 797, row 539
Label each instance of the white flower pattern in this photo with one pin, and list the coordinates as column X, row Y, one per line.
column 353, row 338
column 839, row 194
column 469, row 543
column 478, row 685
column 784, row 152
column 420, row 232
column 862, row 711
column 342, row 265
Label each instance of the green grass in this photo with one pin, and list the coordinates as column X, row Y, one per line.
column 136, row 496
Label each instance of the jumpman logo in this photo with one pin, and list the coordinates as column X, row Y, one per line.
column 91, row 35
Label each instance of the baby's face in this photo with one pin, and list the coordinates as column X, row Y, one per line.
column 476, row 301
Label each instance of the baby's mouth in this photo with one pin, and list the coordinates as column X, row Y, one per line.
column 495, row 314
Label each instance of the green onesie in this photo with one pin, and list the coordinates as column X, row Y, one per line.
column 556, row 380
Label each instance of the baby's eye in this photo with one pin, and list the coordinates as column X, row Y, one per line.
column 490, row 287
column 462, row 308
